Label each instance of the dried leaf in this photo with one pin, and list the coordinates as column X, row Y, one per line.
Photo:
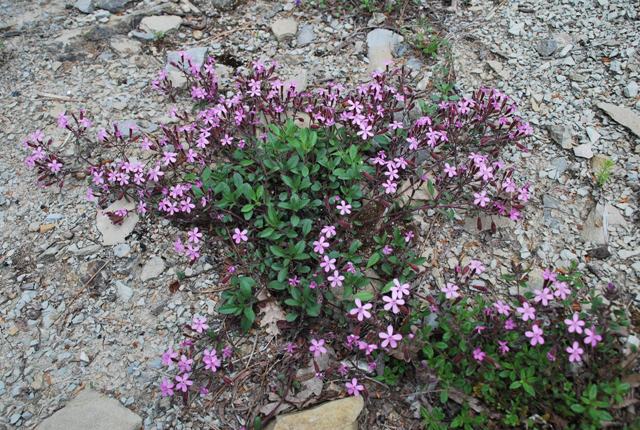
column 271, row 313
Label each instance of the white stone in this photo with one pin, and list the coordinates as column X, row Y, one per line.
column 583, row 151
column 92, row 410
column 631, row 90
column 623, row 115
column 113, row 234
column 160, row 24
column 381, row 44
column 152, row 268
column 125, row 46
column 284, row 28
column 123, row 291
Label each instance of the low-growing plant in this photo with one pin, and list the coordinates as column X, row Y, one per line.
column 604, row 172
column 317, row 195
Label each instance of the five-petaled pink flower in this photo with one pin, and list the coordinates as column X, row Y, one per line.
column 535, row 335
column 562, row 290
column 574, row 324
column 575, row 352
column 166, row 387
column 389, row 338
column 320, row 245
column 336, row 279
column 399, row 290
column 450, row 291
column 543, row 296
column 194, row 235
column 477, row 266
column 183, row 382
column 168, row 356
column 502, row 308
column 240, row 235
column 199, row 324
column 328, row 231
column 361, row 310
column 480, row 199
column 479, row 355
column 328, row 263
column 317, row 347
column 353, row 388
column 54, row 166
column 593, row 338
column 344, row 208
column 527, row 312
column 392, row 303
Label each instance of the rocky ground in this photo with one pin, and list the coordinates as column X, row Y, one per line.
column 76, row 312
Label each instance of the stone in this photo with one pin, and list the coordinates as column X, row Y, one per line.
column 112, row 234
column 152, row 268
column 121, row 251
column 631, row 90
column 82, row 252
column 335, row 415
column 284, row 28
column 223, row 4
column 598, row 162
column 496, row 66
column 622, row 115
column 306, row 35
column 125, row 46
column 595, row 228
column 562, row 135
column 471, row 224
column 84, row 6
column 123, row 291
column 593, row 134
column 516, row 28
column 143, row 35
column 381, row 43
column 160, row 24
column 112, row 6
column 546, row 47
column 92, row 410
column 583, row 151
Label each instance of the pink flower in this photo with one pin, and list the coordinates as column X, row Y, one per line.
column 166, row 387
column 450, row 291
column 549, row 275
column 509, row 324
column 399, row 290
column 450, row 170
column 502, row 308
column 504, row 347
column 389, row 338
column 481, row 199
column 328, row 231
column 199, row 324
column 211, row 360
column 479, row 355
column 317, row 347
column 543, row 296
column 389, row 186
column 183, row 382
column 361, row 310
column 353, row 388
column 328, row 264
column 477, row 266
column 168, row 356
column 169, row 157
column 240, row 236
column 63, row 121
column 408, row 236
column 562, row 290
column 185, row 364
column 344, row 208
column 194, row 235
column 574, row 324
column 387, row 250
column 575, row 352
column 336, row 279
column 54, row 166
column 320, row 245
column 593, row 338
column 392, row 303
column 290, row 348
column 527, row 312
column 535, row 335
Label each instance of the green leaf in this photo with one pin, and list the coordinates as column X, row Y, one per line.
column 228, row 309
column 295, row 220
column 306, row 226
column 266, row 233
column 577, row 408
column 275, row 285
column 246, row 284
column 529, row 389
column 247, row 208
column 444, row 396
column 277, row 251
column 373, row 260
column 206, row 174
column 515, row 385
column 249, row 314
column 291, row 316
column 365, row 296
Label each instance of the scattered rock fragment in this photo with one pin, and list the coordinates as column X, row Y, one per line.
column 595, row 228
column 284, row 28
column 92, row 410
column 336, row 415
column 123, row 291
column 547, row 47
column 631, row 90
column 622, row 115
column 112, row 6
column 125, row 46
column 113, row 234
column 583, row 151
column 152, row 268
column 121, row 251
column 516, row 28
column 306, row 35
column 381, row 44
column 223, row 4
column 562, row 135
column 84, row 6
column 160, row 24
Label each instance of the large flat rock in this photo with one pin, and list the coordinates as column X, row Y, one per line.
column 336, row 415
column 94, row 411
